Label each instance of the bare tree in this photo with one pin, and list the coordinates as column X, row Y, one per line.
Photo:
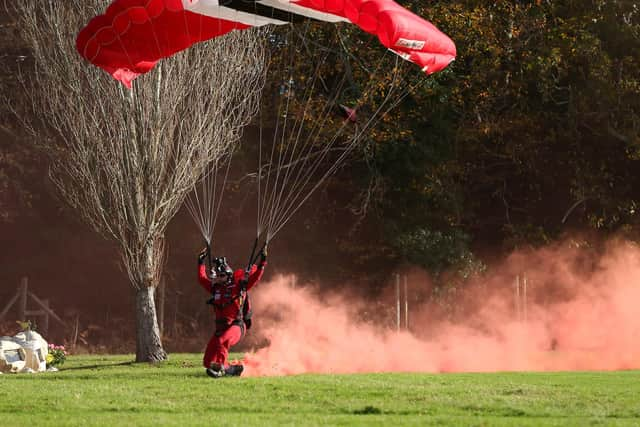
column 126, row 159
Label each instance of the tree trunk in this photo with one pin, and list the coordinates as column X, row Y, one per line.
column 146, row 264
column 148, row 342
column 161, row 304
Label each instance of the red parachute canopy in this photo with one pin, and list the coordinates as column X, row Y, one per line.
column 133, row 35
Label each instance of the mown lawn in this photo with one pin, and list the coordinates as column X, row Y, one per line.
column 106, row 390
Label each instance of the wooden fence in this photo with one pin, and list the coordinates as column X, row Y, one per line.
column 42, row 311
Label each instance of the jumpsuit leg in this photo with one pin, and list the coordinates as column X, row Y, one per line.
column 218, row 347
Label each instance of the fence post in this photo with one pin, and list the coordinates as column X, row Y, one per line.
column 22, row 304
column 517, row 297
column 45, row 317
column 524, row 296
column 397, row 302
column 10, row 304
column 406, row 304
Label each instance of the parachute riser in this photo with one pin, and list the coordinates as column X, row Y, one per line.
column 209, row 259
column 256, row 255
column 250, row 263
column 253, row 258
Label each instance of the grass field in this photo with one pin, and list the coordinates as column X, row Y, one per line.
column 107, row 390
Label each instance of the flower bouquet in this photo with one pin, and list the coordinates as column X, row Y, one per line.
column 56, row 356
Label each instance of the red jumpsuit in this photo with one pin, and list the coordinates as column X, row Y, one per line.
column 227, row 305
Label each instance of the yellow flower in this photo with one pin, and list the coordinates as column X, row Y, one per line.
column 49, row 358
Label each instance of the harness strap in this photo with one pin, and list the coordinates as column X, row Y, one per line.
column 240, row 316
column 211, row 301
column 242, row 296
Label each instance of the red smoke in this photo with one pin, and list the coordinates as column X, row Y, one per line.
column 582, row 313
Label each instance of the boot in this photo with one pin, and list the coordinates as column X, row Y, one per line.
column 215, row 370
column 234, row 370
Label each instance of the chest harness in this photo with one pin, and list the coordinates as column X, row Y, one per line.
column 243, row 317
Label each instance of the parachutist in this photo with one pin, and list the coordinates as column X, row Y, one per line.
column 230, row 301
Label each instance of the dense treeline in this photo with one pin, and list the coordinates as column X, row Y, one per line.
column 531, row 134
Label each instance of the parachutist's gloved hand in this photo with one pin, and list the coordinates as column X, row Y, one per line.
column 263, row 258
column 202, row 256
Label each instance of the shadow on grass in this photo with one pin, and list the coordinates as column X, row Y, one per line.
column 368, row 410
column 97, row 366
column 184, row 370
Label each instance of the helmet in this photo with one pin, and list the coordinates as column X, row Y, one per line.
column 221, row 268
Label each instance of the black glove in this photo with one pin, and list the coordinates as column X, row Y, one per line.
column 202, row 256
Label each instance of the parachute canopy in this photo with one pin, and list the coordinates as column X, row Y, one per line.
column 133, row 35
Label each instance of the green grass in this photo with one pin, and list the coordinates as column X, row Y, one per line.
column 105, row 390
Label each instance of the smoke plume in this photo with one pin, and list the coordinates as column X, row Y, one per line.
column 580, row 313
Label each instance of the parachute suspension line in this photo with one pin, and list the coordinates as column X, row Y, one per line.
column 278, row 200
column 204, row 202
column 281, row 127
column 268, row 201
column 284, row 69
column 209, row 197
column 294, row 149
column 305, row 43
column 263, row 213
column 198, row 206
column 306, row 165
column 259, row 178
column 354, row 141
column 303, row 178
column 298, row 201
column 206, row 198
column 224, row 185
column 295, row 197
column 286, row 150
column 290, row 176
column 259, row 225
column 194, row 206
